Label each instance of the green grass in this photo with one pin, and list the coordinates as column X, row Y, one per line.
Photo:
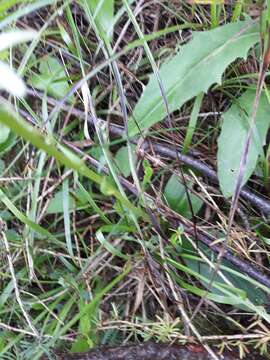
column 94, row 244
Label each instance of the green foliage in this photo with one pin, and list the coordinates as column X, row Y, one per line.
column 232, row 139
column 103, row 15
column 51, row 78
column 56, row 204
column 80, row 344
column 7, row 4
column 122, row 160
column 197, row 66
column 148, row 173
column 193, row 121
column 74, row 233
column 29, row 7
column 10, row 141
column 176, row 195
column 239, row 283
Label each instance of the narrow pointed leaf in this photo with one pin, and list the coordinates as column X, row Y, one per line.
column 197, row 66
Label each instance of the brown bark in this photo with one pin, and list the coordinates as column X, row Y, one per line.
column 153, row 351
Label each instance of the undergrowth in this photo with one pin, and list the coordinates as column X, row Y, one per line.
column 132, row 204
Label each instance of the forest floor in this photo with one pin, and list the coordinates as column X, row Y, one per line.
column 134, row 177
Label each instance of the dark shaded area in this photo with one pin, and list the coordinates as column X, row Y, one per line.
column 246, row 267
column 151, row 350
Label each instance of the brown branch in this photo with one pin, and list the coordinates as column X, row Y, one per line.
column 258, row 201
column 249, row 269
column 151, row 350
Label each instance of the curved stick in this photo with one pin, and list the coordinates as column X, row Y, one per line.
column 150, row 350
column 258, row 201
column 251, row 270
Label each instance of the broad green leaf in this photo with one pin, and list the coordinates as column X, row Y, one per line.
column 4, row 132
column 12, row 235
column 233, row 136
column 232, row 295
column 103, row 15
column 197, row 66
column 56, row 204
column 175, row 194
column 52, row 77
column 245, row 292
column 122, row 160
column 257, row 296
column 80, row 345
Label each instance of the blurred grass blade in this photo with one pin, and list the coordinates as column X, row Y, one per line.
column 19, row 215
column 192, row 122
column 88, row 196
column 7, row 4
column 4, row 130
column 103, row 15
column 15, row 37
column 11, row 82
column 23, row 11
column 65, row 194
column 109, row 247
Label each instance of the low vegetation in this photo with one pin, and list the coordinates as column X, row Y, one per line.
column 134, row 175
